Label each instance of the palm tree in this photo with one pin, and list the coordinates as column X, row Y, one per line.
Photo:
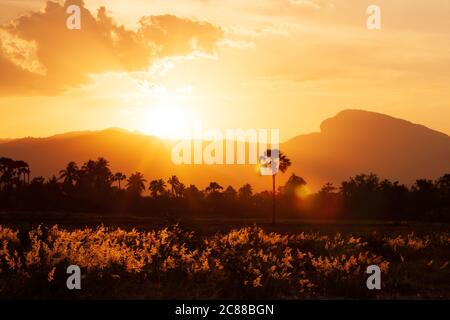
column 179, row 190
column 89, row 168
column 27, row 171
column 119, row 176
column 103, row 175
column 11, row 172
column 96, row 175
column 102, row 163
column 136, row 183
column 70, row 174
column 7, row 167
column 157, row 187
column 22, row 169
column 275, row 158
column 174, row 182
column 86, row 175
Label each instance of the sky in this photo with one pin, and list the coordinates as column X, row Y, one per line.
column 163, row 66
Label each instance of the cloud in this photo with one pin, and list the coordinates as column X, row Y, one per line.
column 21, row 53
column 40, row 56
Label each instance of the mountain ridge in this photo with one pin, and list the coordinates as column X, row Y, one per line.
column 352, row 142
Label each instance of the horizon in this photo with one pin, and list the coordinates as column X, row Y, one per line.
column 344, row 138
column 137, row 131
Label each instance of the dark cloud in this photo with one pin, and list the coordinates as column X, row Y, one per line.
column 39, row 55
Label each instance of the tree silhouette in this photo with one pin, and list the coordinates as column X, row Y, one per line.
column 136, row 184
column 443, row 183
column 119, row 176
column 103, row 175
column 89, row 188
column 230, row 195
column 11, row 172
column 360, row 194
column 157, row 187
column 95, row 176
column 22, row 169
column 89, row 168
column 276, row 159
column 69, row 175
column 5, row 172
column 213, row 188
column 294, row 185
column 245, row 192
column 194, row 199
column 173, row 182
column 327, row 189
column 179, row 190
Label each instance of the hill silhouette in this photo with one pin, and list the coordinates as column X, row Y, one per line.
column 354, row 141
column 360, row 141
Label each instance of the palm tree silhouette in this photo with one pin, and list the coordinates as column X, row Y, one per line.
column 174, row 182
column 89, row 168
column 157, row 187
column 276, row 157
column 7, row 168
column 27, row 171
column 87, row 175
column 136, row 183
column 3, row 169
column 103, row 175
column 22, row 168
column 119, row 176
column 70, row 174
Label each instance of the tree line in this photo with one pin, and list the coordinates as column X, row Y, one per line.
column 93, row 187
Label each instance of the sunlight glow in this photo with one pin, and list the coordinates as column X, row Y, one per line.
column 302, row 192
column 168, row 120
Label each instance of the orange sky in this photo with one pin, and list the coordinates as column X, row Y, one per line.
column 286, row 64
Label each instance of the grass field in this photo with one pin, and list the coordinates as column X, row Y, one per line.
column 141, row 258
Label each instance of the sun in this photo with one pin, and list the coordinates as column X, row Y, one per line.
column 168, row 121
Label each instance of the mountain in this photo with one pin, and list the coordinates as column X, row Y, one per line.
column 356, row 141
column 352, row 142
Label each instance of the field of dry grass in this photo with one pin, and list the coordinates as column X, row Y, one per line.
column 256, row 262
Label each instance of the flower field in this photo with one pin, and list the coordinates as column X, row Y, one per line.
column 248, row 262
